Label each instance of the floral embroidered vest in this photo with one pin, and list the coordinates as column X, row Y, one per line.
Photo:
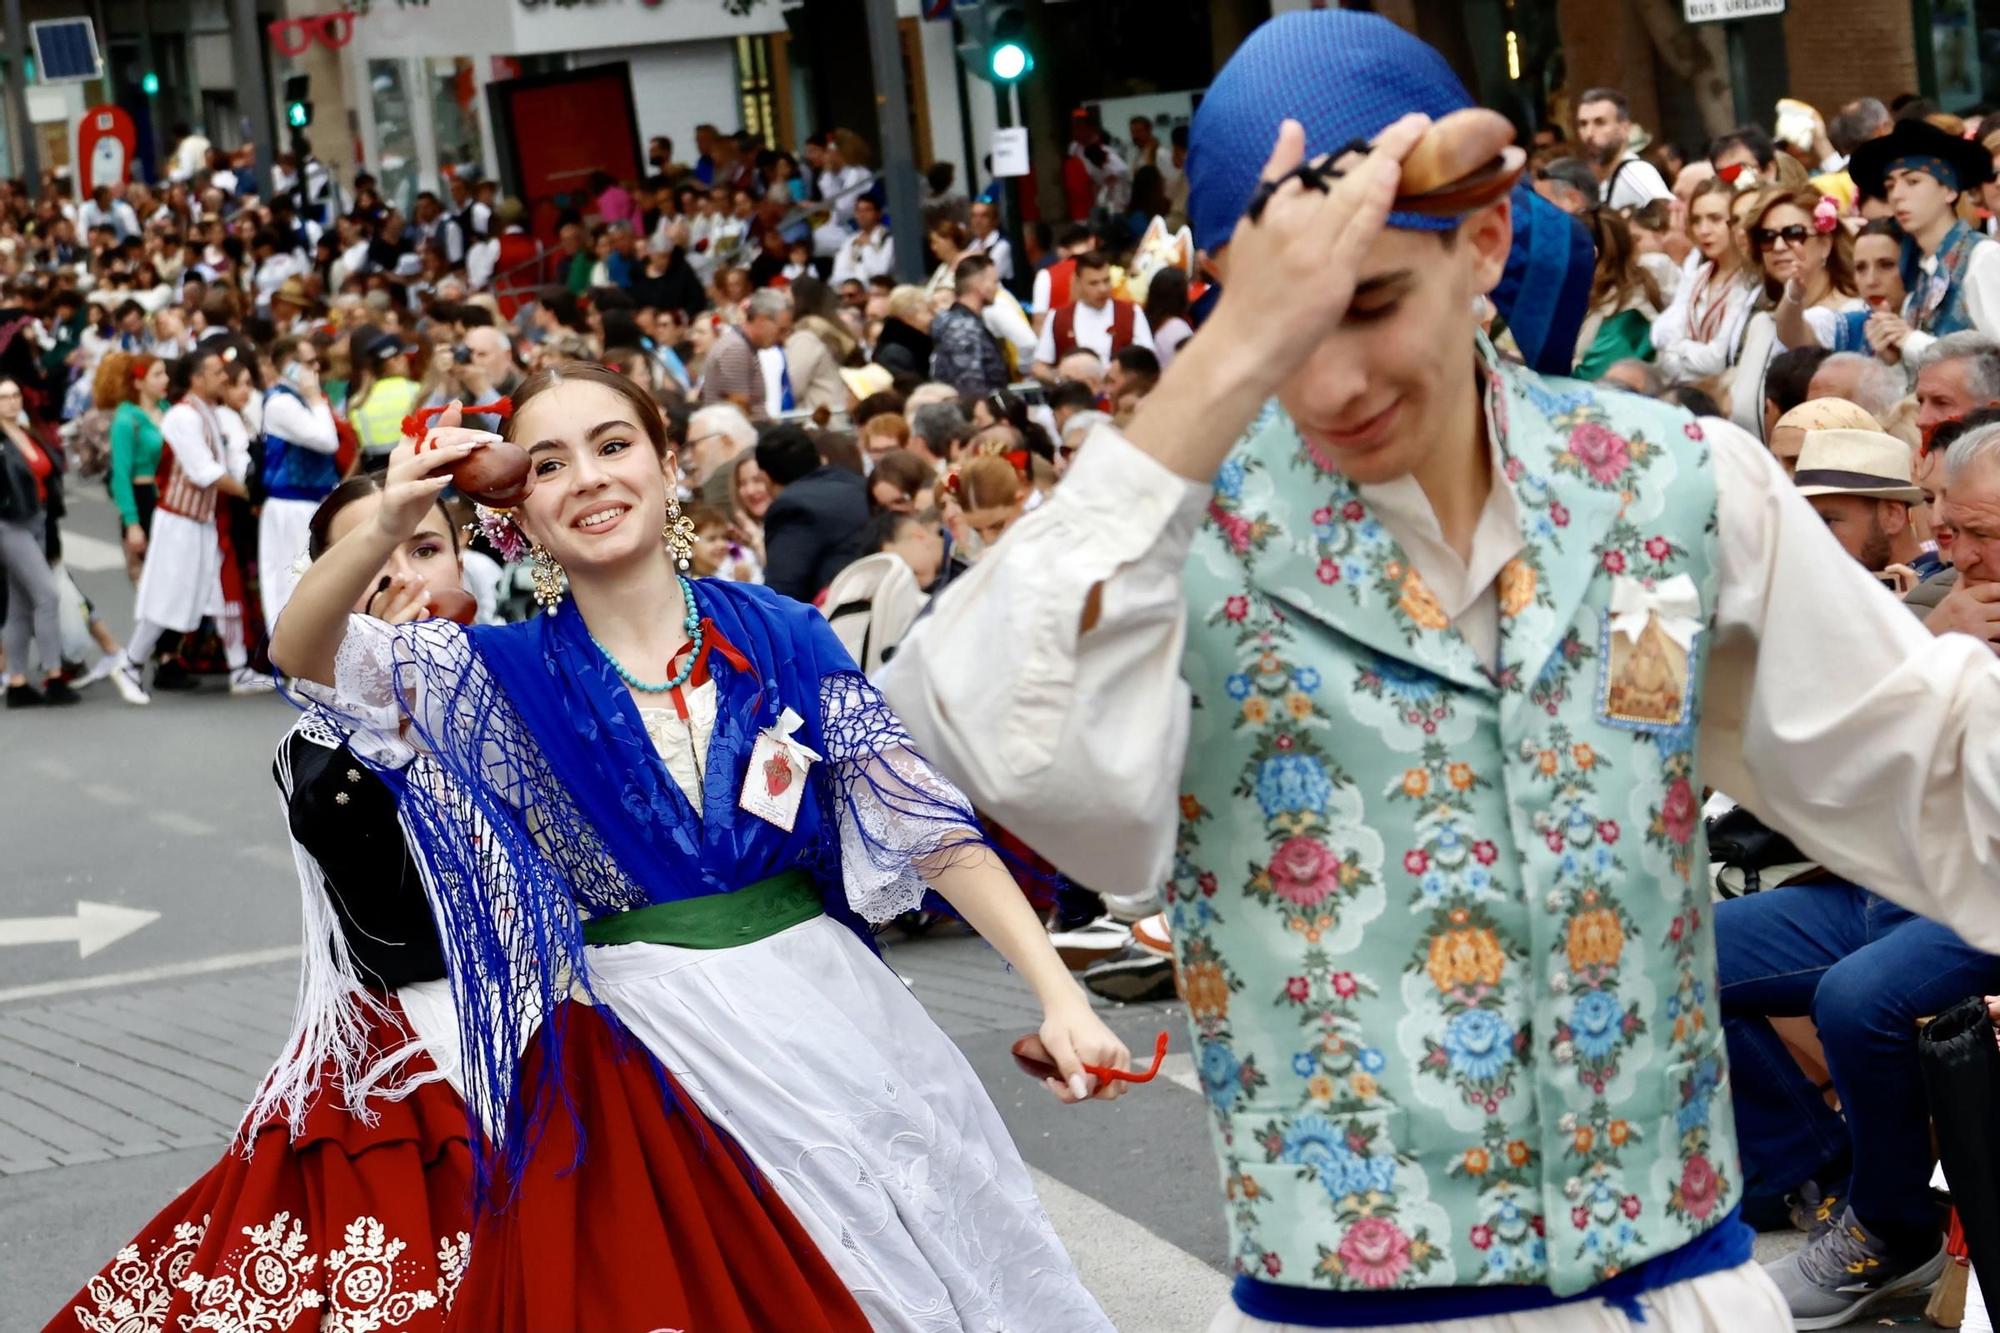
column 1444, row 936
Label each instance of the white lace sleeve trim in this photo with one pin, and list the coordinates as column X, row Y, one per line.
column 895, row 812
column 375, row 690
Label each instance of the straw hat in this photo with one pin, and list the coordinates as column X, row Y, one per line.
column 1867, row 463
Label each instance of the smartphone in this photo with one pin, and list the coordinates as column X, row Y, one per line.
column 1891, row 582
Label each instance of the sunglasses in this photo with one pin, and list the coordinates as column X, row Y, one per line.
column 1765, row 237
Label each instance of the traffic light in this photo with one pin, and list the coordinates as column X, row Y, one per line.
column 150, row 84
column 995, row 41
column 298, row 103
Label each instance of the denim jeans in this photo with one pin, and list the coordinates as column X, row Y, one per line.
column 1864, row 970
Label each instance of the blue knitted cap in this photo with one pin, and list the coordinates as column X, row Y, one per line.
column 1341, row 73
column 1345, row 75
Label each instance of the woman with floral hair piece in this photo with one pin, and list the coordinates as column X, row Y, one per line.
column 683, row 799
column 346, row 1200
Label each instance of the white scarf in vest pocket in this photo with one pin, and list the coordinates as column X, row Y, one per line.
column 1647, row 656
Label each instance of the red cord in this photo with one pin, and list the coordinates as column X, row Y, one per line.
column 1127, row 1076
column 415, row 424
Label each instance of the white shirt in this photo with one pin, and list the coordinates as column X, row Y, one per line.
column 1008, row 323
column 480, row 259
column 1634, row 182
column 187, row 434
column 271, row 274
column 1981, row 277
column 997, row 248
column 1684, row 358
column 868, row 255
column 771, row 361
column 1093, row 332
column 1828, row 708
column 306, row 427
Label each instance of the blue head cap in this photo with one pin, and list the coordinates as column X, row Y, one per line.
column 1346, row 75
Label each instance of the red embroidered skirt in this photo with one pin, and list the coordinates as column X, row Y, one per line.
column 356, row 1226
column 348, row 1226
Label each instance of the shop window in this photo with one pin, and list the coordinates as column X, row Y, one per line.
column 454, row 112
column 395, row 136
column 757, row 89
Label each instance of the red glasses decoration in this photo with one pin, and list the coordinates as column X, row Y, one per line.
column 293, row 36
column 1033, row 1058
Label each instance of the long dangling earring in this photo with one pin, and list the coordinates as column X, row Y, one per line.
column 679, row 534
column 546, row 575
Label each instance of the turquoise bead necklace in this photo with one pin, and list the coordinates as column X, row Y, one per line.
column 680, row 677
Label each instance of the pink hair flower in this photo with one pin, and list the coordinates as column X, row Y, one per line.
column 497, row 526
column 1826, row 214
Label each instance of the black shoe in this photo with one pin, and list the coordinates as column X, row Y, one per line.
column 24, row 696
column 56, row 690
column 174, row 676
column 1131, row 975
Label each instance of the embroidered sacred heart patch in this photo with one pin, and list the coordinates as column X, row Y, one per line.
column 777, row 774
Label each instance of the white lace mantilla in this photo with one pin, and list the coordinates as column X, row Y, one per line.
column 266, row 1283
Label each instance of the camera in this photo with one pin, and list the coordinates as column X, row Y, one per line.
column 461, row 356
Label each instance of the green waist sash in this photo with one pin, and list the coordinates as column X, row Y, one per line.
column 715, row 920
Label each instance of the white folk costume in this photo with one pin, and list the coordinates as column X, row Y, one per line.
column 182, row 580
column 300, row 442
column 731, row 943
column 1428, row 826
column 346, row 1205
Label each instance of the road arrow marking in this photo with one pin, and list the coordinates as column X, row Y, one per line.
column 94, row 926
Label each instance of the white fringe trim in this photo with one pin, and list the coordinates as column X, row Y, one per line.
column 335, row 1012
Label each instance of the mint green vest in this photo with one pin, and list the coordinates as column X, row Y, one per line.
column 1445, row 936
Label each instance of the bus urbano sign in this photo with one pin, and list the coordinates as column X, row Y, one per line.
column 1710, row 11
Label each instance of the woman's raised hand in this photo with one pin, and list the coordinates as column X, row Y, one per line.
column 419, row 470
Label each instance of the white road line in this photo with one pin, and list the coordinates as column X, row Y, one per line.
column 225, row 962
column 173, row 821
column 1144, row 1283
column 92, row 555
column 53, row 768
column 1179, row 1068
column 105, row 792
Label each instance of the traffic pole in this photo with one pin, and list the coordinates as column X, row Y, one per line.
column 17, row 97
column 253, row 88
column 898, row 156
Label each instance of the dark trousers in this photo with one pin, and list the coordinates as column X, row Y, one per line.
column 1864, row 970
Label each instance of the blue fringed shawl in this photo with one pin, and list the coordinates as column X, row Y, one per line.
column 547, row 802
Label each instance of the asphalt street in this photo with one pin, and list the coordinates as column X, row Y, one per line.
column 122, row 1072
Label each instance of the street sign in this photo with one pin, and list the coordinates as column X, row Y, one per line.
column 105, row 140
column 94, row 926
column 1010, row 152
column 1711, row 11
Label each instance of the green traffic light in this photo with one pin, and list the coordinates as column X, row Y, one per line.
column 295, row 115
column 1009, row 61
column 150, row 84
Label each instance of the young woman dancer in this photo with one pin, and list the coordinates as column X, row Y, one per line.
column 346, row 1201
column 687, row 801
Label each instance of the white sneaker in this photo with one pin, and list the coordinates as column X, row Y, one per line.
column 105, row 666
column 1085, row 945
column 244, row 680
column 130, row 679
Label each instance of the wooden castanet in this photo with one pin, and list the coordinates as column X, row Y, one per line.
column 498, row 474
column 453, row 604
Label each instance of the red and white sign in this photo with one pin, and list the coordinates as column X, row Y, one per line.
column 105, row 142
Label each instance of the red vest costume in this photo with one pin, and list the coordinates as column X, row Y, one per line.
column 1122, row 322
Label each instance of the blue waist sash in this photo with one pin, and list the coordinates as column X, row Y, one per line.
column 1723, row 1246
